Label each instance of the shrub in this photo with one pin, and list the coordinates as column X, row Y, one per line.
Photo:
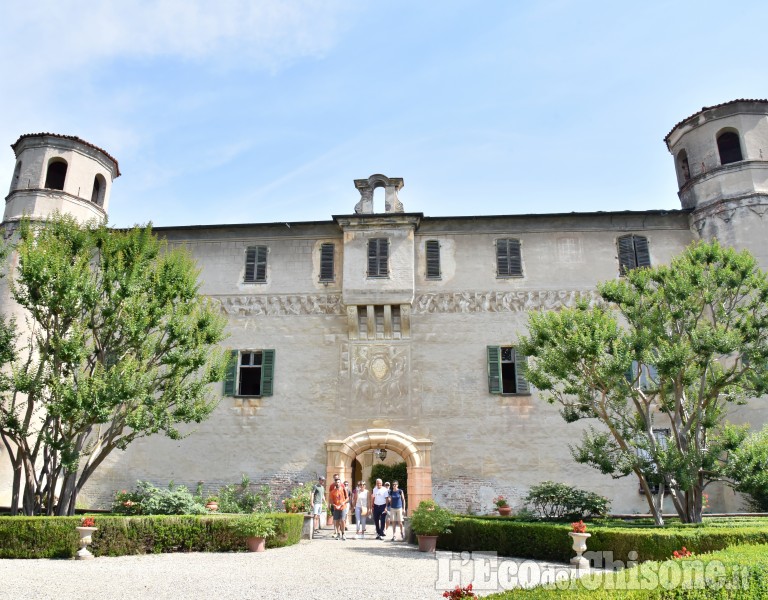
column 56, row 537
column 552, row 500
column 397, row 472
column 547, row 541
column 236, row 498
column 430, row 519
column 150, row 500
column 300, row 499
column 254, row 525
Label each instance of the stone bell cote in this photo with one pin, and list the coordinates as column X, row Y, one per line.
column 391, row 186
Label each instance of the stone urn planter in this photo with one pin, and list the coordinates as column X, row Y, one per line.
column 505, row 511
column 212, row 506
column 85, row 539
column 579, row 547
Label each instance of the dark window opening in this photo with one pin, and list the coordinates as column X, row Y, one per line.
column 16, row 176
column 326, row 262
column 685, row 169
column 509, row 261
column 506, row 371
column 633, row 253
column 432, row 248
column 249, row 380
column 57, row 172
column 99, row 187
column 729, row 148
column 256, row 264
column 378, row 257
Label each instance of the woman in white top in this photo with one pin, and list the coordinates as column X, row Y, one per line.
column 361, row 509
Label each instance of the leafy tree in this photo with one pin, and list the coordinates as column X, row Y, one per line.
column 121, row 347
column 748, row 466
column 672, row 347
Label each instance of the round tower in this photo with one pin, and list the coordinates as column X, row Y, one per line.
column 721, row 160
column 59, row 173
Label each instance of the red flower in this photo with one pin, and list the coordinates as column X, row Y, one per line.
column 88, row 522
column 579, row 527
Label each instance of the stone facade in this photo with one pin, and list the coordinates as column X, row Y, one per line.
column 389, row 353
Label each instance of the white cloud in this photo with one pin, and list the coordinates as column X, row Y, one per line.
column 47, row 36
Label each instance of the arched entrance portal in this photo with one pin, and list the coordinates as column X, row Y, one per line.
column 415, row 453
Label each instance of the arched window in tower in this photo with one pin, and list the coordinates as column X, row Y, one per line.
column 57, row 173
column 683, row 168
column 16, row 176
column 99, row 187
column 729, row 147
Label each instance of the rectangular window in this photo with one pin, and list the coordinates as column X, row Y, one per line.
column 326, row 262
column 506, row 371
column 432, row 249
column 378, row 257
column 649, row 376
column 250, row 373
column 509, row 262
column 633, row 253
column 256, row 264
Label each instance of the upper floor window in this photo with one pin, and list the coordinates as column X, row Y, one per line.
column 683, row 166
column 509, row 262
column 506, row 371
column 99, row 187
column 326, row 262
column 250, row 373
column 16, row 176
column 378, row 257
column 256, row 264
column 432, row 249
column 633, row 253
column 729, row 147
column 57, row 173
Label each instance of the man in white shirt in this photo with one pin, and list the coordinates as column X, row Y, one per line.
column 379, row 496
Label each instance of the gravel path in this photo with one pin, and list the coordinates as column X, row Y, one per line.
column 317, row 570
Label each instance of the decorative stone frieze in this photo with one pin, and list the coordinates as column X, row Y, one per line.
column 276, row 305
column 470, row 302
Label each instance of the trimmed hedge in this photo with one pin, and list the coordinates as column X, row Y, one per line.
column 743, row 575
column 56, row 537
column 547, row 541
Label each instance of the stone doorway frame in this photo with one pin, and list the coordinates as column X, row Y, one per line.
column 416, row 452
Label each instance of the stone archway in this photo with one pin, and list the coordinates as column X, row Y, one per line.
column 415, row 452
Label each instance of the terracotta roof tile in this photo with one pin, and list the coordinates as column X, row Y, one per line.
column 704, row 108
column 74, row 138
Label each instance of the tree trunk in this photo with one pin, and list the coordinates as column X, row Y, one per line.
column 658, row 516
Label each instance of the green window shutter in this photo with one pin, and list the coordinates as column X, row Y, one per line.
column 230, row 378
column 509, row 261
column 515, row 258
column 494, row 369
column 378, row 257
column 521, row 368
column 627, row 260
column 267, row 372
column 631, row 372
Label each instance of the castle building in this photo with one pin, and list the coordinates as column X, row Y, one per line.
column 391, row 335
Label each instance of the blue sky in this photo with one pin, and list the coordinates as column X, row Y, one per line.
column 260, row 111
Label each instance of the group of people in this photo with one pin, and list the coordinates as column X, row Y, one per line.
column 385, row 503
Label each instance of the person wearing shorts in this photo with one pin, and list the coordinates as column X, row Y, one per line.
column 396, row 509
column 338, row 499
column 348, row 505
column 318, row 500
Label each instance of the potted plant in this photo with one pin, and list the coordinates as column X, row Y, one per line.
column 579, row 535
column 502, row 506
column 212, row 503
column 329, row 518
column 428, row 521
column 256, row 528
column 86, row 529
